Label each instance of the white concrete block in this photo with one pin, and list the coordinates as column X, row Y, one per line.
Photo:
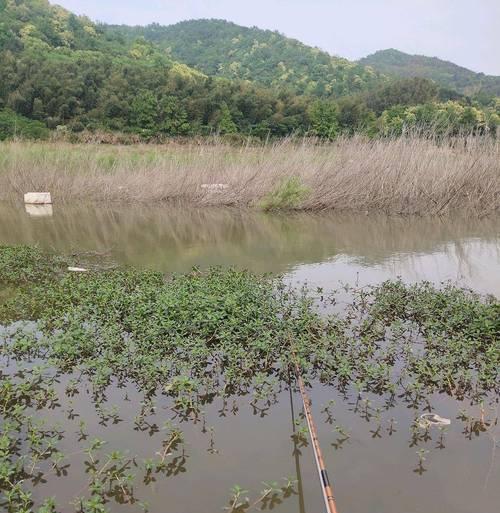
column 38, row 198
column 77, row 270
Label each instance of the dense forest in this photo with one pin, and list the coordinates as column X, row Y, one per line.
column 447, row 74
column 62, row 72
column 221, row 48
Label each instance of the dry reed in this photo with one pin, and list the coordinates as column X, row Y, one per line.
column 409, row 175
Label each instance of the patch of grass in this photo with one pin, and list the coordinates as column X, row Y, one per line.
column 288, row 195
column 107, row 162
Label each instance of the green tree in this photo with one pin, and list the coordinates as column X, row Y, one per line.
column 324, row 119
column 409, row 91
column 144, row 110
column 174, row 119
column 13, row 125
column 38, row 111
column 226, row 125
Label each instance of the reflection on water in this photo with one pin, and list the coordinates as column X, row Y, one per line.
column 38, row 210
column 323, row 248
column 370, row 446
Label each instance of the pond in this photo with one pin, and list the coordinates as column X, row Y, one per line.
column 377, row 460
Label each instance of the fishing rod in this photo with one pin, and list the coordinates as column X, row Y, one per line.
column 326, row 487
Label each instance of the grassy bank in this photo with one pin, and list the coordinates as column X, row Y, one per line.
column 408, row 175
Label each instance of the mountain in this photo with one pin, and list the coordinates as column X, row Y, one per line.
column 66, row 71
column 38, row 23
column 221, row 48
column 395, row 63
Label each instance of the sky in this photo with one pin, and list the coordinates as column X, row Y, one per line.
column 466, row 32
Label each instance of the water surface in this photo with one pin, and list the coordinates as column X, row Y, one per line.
column 323, row 248
column 376, row 468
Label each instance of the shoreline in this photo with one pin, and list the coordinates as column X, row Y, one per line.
column 405, row 176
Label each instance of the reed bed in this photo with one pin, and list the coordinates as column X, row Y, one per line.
column 408, row 175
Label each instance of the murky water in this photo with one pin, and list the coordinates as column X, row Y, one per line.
column 324, row 249
column 374, row 467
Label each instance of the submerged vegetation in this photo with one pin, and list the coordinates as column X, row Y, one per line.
column 407, row 175
column 212, row 335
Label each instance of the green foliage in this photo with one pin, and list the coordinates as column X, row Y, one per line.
column 174, row 118
column 287, row 195
column 324, row 119
column 63, row 70
column 13, row 125
column 221, row 48
column 410, row 91
column 355, row 116
column 462, row 333
column 395, row 63
column 164, row 332
column 143, row 110
column 209, row 336
column 65, row 73
column 20, row 264
column 450, row 118
column 226, row 124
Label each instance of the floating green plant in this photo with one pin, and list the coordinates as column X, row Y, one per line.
column 213, row 335
column 23, row 264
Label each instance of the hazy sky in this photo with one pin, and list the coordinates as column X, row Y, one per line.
column 466, row 32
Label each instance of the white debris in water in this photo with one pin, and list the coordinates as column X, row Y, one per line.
column 38, row 198
column 77, row 269
column 432, row 419
column 39, row 210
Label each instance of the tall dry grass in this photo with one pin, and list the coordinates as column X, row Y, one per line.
column 405, row 175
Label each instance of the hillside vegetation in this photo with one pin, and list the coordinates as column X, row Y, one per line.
column 221, row 48
column 65, row 70
column 64, row 73
column 444, row 73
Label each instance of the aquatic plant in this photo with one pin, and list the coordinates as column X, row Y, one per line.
column 22, row 264
column 169, row 333
column 211, row 335
column 271, row 496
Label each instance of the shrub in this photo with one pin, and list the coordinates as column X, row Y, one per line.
column 287, row 195
column 14, row 125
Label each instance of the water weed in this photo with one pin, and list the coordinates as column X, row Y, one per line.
column 22, row 264
column 209, row 337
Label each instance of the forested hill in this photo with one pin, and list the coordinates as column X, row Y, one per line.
column 67, row 72
column 447, row 74
column 221, row 48
column 63, row 72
